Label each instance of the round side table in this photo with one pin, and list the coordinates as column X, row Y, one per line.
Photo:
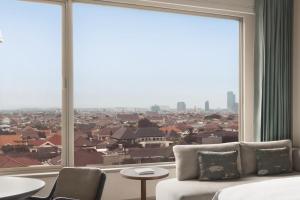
column 131, row 174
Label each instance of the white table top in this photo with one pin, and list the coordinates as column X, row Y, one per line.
column 15, row 188
column 158, row 173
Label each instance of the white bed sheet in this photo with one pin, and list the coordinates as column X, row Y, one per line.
column 276, row 189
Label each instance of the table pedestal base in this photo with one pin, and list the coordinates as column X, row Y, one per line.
column 143, row 190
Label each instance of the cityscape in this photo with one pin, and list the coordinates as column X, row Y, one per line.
column 114, row 136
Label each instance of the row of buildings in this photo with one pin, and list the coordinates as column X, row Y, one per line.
column 108, row 138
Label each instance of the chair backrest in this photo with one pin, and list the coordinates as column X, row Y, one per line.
column 80, row 183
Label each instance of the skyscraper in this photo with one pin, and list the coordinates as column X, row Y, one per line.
column 206, row 106
column 181, row 106
column 236, row 107
column 155, row 108
column 231, row 104
column 1, row 37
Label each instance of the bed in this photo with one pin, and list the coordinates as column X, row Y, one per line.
column 276, row 189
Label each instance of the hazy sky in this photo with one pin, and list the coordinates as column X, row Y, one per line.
column 122, row 57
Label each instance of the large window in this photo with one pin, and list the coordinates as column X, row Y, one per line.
column 145, row 81
column 30, row 84
column 136, row 82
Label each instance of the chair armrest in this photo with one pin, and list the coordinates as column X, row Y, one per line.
column 64, row 198
column 296, row 159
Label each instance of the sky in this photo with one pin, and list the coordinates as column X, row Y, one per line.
column 122, row 57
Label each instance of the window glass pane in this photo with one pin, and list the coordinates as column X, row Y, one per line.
column 146, row 80
column 30, row 84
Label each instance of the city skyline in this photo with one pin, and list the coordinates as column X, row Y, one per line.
column 206, row 106
column 153, row 107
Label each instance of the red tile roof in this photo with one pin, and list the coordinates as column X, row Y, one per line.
column 55, row 139
column 128, row 117
column 87, row 157
column 84, row 142
column 169, row 129
column 9, row 161
column 37, row 142
column 10, row 140
column 82, row 158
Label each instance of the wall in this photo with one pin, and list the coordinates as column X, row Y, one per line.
column 296, row 75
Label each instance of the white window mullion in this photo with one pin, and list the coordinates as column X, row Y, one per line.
column 67, row 90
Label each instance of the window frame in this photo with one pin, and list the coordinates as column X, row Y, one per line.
column 246, row 70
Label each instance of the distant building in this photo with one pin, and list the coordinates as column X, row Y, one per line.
column 125, row 135
column 181, row 107
column 5, row 120
column 152, row 154
column 144, row 136
column 231, row 103
column 128, row 117
column 212, row 139
column 206, row 106
column 236, row 107
column 155, row 108
column 151, row 137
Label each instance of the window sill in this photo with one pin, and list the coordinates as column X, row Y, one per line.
column 35, row 171
column 50, row 171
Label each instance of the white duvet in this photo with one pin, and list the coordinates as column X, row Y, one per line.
column 276, row 189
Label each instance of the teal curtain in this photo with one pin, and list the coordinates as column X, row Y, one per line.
column 273, row 68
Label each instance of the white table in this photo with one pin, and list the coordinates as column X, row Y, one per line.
column 276, row 189
column 17, row 188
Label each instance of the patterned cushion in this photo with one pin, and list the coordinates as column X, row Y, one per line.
column 273, row 161
column 218, row 165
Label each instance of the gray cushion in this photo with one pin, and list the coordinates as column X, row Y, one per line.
column 172, row 189
column 78, row 183
column 273, row 161
column 248, row 153
column 218, row 165
column 187, row 161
